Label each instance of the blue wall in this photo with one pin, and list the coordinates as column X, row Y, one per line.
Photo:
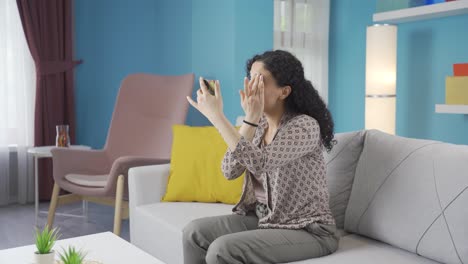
column 253, row 35
column 112, row 41
column 174, row 33
column 213, row 48
column 210, row 38
column 347, row 60
column 426, row 51
column 214, row 39
column 225, row 35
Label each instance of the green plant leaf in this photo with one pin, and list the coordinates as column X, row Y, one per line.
column 72, row 256
column 45, row 239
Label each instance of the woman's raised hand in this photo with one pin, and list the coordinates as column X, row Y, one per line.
column 252, row 98
column 209, row 105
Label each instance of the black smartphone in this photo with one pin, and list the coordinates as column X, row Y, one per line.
column 210, row 85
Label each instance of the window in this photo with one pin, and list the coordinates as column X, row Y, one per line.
column 17, row 80
column 17, row 92
column 301, row 27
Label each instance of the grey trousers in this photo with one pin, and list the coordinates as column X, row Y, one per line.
column 236, row 239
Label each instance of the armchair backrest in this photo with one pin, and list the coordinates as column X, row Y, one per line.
column 146, row 109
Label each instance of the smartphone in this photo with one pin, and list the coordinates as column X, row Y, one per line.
column 210, row 85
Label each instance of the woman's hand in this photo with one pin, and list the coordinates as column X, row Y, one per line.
column 252, row 98
column 209, row 105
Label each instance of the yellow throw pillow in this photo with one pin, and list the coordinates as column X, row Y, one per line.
column 195, row 173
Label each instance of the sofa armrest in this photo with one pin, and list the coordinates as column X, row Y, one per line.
column 147, row 184
column 122, row 166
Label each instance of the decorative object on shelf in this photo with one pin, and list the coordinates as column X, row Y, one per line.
column 460, row 69
column 456, row 86
column 416, row 3
column 381, row 78
column 72, row 256
column 45, row 241
column 456, row 90
column 430, row 2
column 63, row 138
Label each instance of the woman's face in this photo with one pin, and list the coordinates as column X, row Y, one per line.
column 274, row 95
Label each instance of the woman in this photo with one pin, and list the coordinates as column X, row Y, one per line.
column 283, row 213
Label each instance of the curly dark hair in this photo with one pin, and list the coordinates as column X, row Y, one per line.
column 286, row 69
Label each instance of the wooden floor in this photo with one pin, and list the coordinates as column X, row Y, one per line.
column 17, row 223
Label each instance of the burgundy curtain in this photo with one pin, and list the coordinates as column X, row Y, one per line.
column 48, row 26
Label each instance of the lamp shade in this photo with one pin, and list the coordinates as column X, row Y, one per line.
column 381, row 49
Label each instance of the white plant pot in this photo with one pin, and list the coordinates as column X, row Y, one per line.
column 45, row 258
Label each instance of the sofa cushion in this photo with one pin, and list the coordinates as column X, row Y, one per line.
column 158, row 226
column 341, row 165
column 411, row 193
column 88, row 180
column 355, row 249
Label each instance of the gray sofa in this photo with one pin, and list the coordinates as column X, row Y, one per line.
column 395, row 199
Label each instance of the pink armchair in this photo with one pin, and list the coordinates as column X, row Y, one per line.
column 140, row 134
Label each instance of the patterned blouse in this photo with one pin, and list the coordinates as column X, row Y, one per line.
column 293, row 171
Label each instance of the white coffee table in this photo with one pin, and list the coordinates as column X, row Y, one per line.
column 44, row 152
column 105, row 248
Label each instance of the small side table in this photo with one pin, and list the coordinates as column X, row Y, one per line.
column 45, row 152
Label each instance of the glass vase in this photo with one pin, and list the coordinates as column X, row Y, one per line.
column 63, row 138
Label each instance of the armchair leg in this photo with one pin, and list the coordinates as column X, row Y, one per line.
column 118, row 205
column 53, row 205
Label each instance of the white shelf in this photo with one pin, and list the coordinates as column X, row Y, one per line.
column 453, row 8
column 451, row 109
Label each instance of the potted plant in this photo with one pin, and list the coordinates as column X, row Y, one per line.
column 45, row 241
column 72, row 256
